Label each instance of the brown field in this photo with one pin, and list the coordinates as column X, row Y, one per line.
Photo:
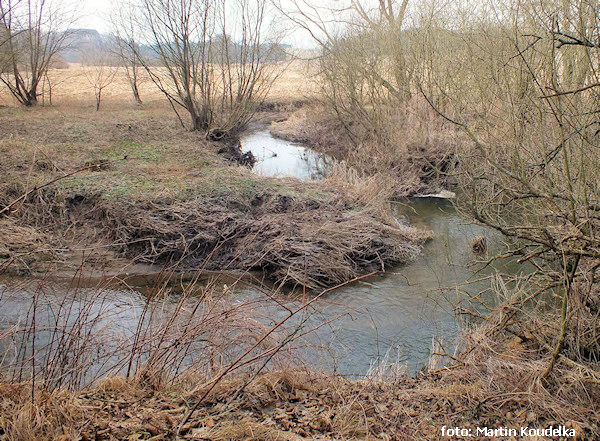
column 71, row 87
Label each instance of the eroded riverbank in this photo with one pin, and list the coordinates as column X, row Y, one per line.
column 391, row 318
column 227, row 220
column 160, row 195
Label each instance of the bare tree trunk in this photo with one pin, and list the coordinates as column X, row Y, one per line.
column 30, row 98
column 98, row 98
column 218, row 82
column 135, row 90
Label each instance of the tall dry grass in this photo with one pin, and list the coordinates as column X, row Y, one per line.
column 415, row 156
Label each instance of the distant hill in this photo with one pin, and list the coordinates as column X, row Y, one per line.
column 79, row 41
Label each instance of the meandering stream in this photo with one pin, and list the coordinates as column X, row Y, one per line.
column 399, row 313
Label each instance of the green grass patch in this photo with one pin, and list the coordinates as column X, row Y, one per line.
column 12, row 112
column 81, row 183
column 140, row 186
column 211, row 182
column 135, row 150
column 78, row 130
column 219, row 181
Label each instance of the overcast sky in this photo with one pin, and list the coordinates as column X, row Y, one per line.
column 94, row 14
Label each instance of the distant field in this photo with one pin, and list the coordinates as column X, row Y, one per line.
column 72, row 86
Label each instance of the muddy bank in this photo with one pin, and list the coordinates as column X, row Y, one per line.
column 312, row 242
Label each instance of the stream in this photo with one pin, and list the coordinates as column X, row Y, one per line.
column 398, row 313
column 279, row 158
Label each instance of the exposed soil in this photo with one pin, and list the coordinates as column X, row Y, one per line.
column 152, row 193
column 233, row 152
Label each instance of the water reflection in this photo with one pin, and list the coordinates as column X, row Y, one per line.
column 77, row 335
column 405, row 309
column 280, row 158
column 401, row 311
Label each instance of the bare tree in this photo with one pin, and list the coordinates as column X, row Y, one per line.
column 127, row 46
column 4, row 53
column 35, row 32
column 100, row 69
column 364, row 67
column 213, row 58
column 526, row 91
column 4, row 39
column 521, row 78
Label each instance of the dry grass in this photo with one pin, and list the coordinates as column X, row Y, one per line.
column 292, row 405
column 174, row 199
column 70, row 87
column 20, row 246
column 416, row 156
column 325, row 247
column 262, row 230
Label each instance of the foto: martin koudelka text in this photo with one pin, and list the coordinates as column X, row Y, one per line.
column 552, row 431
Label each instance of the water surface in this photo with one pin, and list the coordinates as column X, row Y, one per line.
column 398, row 313
column 279, row 158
